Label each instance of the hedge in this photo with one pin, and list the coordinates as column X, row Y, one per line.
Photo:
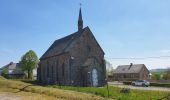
column 127, row 82
column 160, row 84
column 156, row 84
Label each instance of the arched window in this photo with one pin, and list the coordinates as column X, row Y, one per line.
column 48, row 73
column 52, row 71
column 39, row 72
column 56, row 65
column 63, row 69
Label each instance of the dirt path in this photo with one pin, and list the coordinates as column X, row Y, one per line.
column 6, row 96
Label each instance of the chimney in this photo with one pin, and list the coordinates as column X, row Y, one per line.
column 131, row 64
column 11, row 63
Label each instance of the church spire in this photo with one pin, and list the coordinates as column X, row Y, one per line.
column 80, row 20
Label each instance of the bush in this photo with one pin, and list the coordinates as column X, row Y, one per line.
column 160, row 84
column 5, row 72
column 156, row 84
column 127, row 82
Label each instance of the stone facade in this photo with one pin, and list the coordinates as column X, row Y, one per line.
column 76, row 60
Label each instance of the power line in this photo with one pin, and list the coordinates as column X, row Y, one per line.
column 141, row 58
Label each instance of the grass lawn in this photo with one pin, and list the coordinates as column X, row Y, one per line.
column 28, row 91
column 11, row 93
column 85, row 93
column 114, row 92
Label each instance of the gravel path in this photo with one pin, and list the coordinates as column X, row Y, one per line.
column 6, row 96
column 139, row 88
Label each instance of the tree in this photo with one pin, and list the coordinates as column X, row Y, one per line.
column 167, row 74
column 29, row 62
column 5, row 72
column 109, row 68
column 156, row 75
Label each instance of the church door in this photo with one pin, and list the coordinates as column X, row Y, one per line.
column 94, row 77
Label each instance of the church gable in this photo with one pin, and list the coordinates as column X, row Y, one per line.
column 90, row 39
column 85, row 46
column 69, row 60
column 91, row 46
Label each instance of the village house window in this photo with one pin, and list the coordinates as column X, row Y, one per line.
column 130, row 75
column 133, row 76
column 136, row 75
column 124, row 76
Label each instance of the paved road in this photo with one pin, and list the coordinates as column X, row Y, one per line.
column 6, row 96
column 137, row 87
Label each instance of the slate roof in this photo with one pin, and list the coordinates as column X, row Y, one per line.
column 11, row 66
column 59, row 46
column 135, row 68
column 14, row 68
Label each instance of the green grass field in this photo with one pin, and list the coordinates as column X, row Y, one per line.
column 42, row 93
column 81, row 93
column 114, row 92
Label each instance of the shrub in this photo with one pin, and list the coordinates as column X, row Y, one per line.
column 160, row 84
column 151, row 84
column 5, row 72
column 127, row 82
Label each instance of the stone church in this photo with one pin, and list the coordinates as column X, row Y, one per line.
column 74, row 60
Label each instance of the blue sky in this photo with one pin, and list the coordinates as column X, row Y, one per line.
column 123, row 28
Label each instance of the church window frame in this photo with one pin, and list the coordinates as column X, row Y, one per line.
column 63, row 69
column 48, row 70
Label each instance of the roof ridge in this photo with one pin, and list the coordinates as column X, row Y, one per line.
column 70, row 38
column 132, row 65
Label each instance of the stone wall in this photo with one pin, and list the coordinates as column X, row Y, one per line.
column 55, row 70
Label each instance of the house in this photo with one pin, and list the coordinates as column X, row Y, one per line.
column 14, row 70
column 74, row 60
column 131, row 72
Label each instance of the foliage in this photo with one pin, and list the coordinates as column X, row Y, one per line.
column 29, row 61
column 167, row 74
column 109, row 68
column 156, row 84
column 160, row 84
column 127, row 82
column 5, row 72
column 158, row 75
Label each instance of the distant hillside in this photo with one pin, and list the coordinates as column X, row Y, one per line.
column 158, row 70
